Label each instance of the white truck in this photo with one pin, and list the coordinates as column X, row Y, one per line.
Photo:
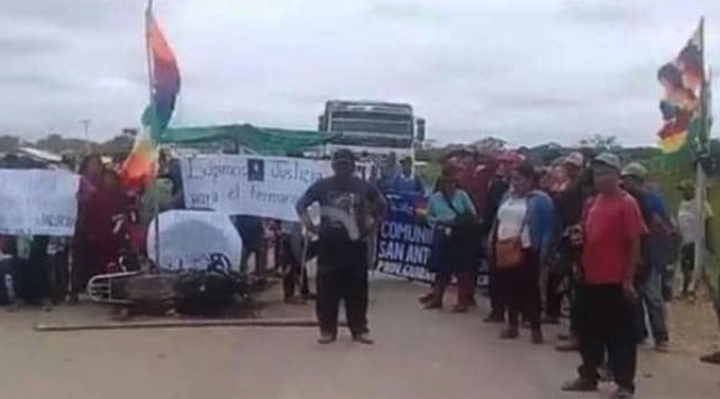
column 372, row 129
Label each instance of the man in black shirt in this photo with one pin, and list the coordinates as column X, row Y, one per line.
column 351, row 210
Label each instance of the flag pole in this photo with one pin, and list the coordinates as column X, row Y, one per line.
column 700, row 178
column 151, row 81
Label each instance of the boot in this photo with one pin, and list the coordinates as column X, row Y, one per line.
column 434, row 303
column 426, row 298
column 436, row 299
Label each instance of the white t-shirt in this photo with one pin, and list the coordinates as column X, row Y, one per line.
column 511, row 218
column 689, row 220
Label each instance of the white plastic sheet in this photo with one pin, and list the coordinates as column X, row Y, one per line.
column 189, row 238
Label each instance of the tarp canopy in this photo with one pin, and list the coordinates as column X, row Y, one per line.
column 260, row 139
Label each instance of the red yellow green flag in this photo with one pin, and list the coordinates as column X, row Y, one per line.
column 682, row 80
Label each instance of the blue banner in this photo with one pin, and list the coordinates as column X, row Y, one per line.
column 404, row 241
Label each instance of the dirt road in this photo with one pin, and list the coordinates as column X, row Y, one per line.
column 419, row 355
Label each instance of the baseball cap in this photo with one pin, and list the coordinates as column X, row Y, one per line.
column 575, row 159
column 635, row 169
column 406, row 160
column 686, row 185
column 343, row 155
column 608, row 159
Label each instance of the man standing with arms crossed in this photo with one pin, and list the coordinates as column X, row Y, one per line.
column 351, row 209
column 611, row 230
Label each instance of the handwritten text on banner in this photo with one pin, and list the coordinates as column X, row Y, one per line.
column 249, row 185
column 38, row 202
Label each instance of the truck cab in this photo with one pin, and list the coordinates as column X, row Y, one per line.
column 372, row 129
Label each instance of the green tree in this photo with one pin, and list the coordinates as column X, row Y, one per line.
column 9, row 143
column 601, row 143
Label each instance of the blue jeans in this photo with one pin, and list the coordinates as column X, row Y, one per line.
column 651, row 298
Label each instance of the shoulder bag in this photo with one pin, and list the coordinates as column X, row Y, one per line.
column 509, row 252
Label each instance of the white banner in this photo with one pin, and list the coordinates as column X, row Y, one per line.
column 38, row 202
column 190, row 239
column 260, row 186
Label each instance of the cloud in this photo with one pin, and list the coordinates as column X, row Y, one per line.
column 40, row 82
column 406, row 11
column 603, row 12
column 526, row 70
column 16, row 47
column 75, row 15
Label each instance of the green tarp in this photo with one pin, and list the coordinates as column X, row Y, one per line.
column 262, row 140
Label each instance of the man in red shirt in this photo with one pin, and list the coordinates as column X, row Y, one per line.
column 612, row 226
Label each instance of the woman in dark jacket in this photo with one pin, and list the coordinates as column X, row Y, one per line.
column 520, row 240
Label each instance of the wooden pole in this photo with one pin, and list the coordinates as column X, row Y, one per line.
column 151, row 85
column 700, row 178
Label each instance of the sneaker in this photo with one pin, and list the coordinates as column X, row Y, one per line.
column 426, row 298
column 326, row 338
column 580, row 385
column 623, row 393
column 364, row 339
column 510, row 333
column 662, row 347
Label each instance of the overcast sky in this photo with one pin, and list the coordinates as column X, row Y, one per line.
column 529, row 71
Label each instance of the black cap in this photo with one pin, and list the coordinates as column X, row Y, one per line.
column 406, row 160
column 343, row 154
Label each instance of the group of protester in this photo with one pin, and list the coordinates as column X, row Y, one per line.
column 592, row 234
column 111, row 223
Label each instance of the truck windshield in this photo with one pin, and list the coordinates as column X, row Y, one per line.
column 371, row 122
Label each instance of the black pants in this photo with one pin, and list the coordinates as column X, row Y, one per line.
column 497, row 299
column 335, row 284
column 59, row 275
column 605, row 321
column 553, row 305
column 521, row 290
